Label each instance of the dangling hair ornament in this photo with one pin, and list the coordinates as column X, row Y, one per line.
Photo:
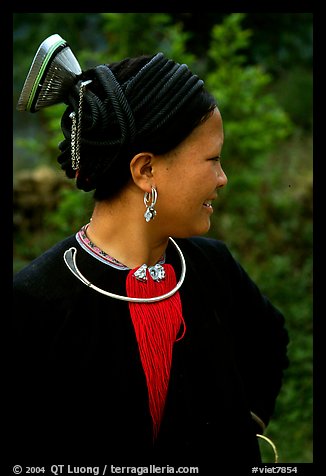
column 150, row 202
column 53, row 71
column 76, row 129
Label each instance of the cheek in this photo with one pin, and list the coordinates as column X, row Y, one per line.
column 180, row 187
column 175, row 199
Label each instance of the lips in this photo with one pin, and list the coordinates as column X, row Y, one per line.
column 208, row 204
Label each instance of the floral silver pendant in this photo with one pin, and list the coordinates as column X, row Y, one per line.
column 157, row 273
column 140, row 274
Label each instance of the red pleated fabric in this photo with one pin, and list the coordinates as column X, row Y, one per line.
column 156, row 327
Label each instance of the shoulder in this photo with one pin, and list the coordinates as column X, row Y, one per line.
column 45, row 272
column 213, row 258
column 202, row 243
column 205, row 248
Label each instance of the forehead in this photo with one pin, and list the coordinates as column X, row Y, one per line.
column 208, row 135
column 214, row 124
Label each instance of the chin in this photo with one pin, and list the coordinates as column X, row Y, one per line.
column 203, row 229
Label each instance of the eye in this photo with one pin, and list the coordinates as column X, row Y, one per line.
column 216, row 159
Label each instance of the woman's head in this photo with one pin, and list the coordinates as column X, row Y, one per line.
column 148, row 103
column 187, row 179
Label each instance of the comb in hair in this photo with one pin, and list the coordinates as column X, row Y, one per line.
column 53, row 71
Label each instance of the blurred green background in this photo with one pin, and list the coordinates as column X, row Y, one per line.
column 259, row 67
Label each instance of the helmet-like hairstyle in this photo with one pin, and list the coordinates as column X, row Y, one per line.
column 147, row 103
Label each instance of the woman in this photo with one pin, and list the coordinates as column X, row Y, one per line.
column 135, row 337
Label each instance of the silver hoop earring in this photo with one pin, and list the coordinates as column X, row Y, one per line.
column 150, row 201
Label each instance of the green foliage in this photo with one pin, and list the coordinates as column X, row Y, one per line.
column 29, row 150
column 253, row 120
column 266, row 219
column 294, row 91
column 51, row 117
column 75, row 209
column 265, row 215
column 133, row 34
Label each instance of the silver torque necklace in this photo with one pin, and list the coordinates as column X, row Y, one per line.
column 70, row 260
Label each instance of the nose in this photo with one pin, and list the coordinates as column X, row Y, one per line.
column 222, row 179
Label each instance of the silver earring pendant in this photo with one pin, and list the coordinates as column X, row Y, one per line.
column 150, row 201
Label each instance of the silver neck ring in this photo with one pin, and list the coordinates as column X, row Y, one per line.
column 70, row 260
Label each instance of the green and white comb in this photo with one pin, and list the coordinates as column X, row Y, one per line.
column 53, row 71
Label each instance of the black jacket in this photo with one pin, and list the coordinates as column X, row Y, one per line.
column 80, row 390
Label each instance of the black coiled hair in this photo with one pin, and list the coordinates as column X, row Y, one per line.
column 147, row 103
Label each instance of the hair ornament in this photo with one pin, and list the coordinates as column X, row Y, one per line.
column 52, row 73
column 76, row 128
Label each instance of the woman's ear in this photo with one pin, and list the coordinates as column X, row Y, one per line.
column 141, row 170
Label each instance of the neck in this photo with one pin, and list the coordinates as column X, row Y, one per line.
column 118, row 227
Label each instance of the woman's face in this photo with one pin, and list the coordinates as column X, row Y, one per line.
column 188, row 179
